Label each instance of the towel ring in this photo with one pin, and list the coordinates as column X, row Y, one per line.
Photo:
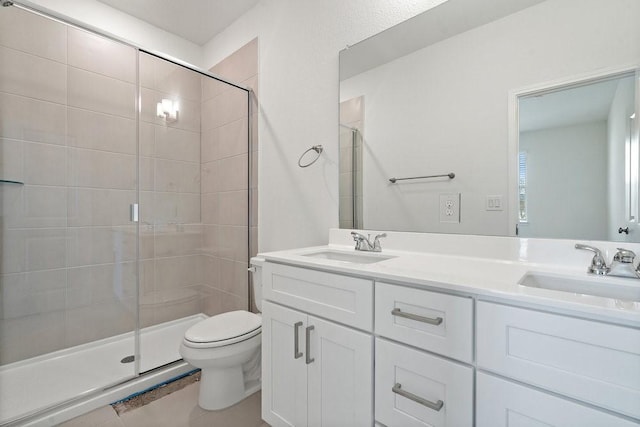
column 318, row 149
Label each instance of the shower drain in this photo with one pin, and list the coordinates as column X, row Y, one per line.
column 128, row 359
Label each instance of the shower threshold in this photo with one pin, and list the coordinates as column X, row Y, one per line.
column 31, row 385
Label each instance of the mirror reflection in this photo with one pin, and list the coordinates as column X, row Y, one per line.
column 577, row 160
column 448, row 92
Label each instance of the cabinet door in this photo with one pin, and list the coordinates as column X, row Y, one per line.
column 595, row 362
column 502, row 403
column 284, row 376
column 340, row 378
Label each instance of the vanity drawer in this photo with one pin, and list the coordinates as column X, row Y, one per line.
column 420, row 377
column 591, row 361
column 437, row 322
column 343, row 299
column 502, row 403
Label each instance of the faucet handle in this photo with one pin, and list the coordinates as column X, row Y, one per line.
column 377, row 247
column 598, row 264
column 624, row 255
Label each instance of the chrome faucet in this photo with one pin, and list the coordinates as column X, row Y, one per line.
column 364, row 244
column 621, row 266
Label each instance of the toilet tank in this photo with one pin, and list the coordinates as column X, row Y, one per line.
column 256, row 271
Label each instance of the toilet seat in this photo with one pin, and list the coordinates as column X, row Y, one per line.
column 223, row 329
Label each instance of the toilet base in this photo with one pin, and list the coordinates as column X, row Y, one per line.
column 213, row 398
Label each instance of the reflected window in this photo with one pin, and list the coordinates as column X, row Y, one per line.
column 522, row 186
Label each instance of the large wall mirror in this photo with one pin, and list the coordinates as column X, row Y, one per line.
column 500, row 117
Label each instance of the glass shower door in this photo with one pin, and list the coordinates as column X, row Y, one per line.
column 68, row 175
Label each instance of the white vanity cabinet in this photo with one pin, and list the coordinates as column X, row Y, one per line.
column 316, row 372
column 502, row 403
column 441, row 358
column 415, row 387
column 591, row 361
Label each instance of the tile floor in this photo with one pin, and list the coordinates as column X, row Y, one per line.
column 178, row 409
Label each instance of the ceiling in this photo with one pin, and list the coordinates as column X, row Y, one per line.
column 195, row 20
column 566, row 107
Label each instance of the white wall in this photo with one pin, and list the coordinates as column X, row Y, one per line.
column 460, row 88
column 112, row 21
column 622, row 107
column 567, row 182
column 299, row 44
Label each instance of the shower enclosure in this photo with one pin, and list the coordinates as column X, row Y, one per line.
column 124, row 209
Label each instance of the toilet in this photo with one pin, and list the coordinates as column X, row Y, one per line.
column 226, row 347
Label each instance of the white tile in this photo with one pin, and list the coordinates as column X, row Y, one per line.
column 32, row 76
column 210, row 177
column 45, row 164
column 233, row 207
column 233, row 173
column 37, row 207
column 147, row 139
column 147, row 70
column 225, row 108
column 25, row 31
column 100, row 169
column 30, row 336
column 100, row 245
column 177, row 81
column 189, row 208
column 99, row 207
column 102, row 94
column 44, row 249
column 30, row 293
column 12, row 159
column 233, row 138
column 98, row 131
column 177, row 144
column 176, row 176
column 32, row 120
column 101, row 55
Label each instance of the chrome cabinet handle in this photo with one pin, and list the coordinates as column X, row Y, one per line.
column 308, row 344
column 397, row 388
column 296, row 341
column 430, row 320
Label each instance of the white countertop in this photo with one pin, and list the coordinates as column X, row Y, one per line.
column 487, row 278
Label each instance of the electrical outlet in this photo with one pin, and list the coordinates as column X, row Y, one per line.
column 450, row 207
column 494, row 203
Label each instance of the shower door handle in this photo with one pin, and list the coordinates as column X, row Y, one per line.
column 133, row 210
column 296, row 341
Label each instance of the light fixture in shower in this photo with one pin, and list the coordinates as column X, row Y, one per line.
column 167, row 110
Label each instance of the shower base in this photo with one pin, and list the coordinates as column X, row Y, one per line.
column 32, row 385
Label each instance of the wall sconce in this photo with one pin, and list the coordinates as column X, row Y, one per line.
column 167, row 110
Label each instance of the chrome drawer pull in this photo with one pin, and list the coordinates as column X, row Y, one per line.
column 308, row 345
column 429, row 404
column 296, row 341
column 430, row 320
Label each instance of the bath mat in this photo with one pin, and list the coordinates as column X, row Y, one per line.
column 141, row 399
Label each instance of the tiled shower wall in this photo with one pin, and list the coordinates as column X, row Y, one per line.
column 68, row 130
column 225, row 168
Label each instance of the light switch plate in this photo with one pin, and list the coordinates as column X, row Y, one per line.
column 450, row 207
column 494, row 203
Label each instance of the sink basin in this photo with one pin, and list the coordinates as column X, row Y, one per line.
column 597, row 286
column 352, row 257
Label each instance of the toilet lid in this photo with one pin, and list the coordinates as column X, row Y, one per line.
column 223, row 327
